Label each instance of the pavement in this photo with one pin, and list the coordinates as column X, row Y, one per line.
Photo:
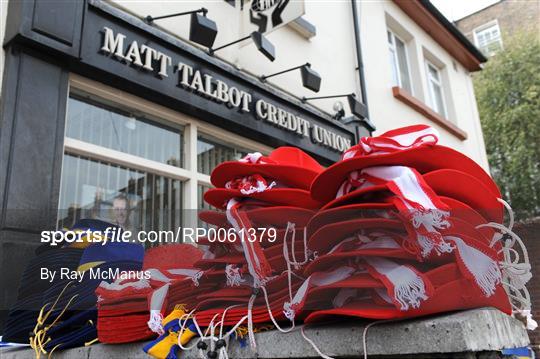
column 478, row 333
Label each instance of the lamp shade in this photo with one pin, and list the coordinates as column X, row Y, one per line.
column 357, row 108
column 202, row 30
column 310, row 78
column 263, row 45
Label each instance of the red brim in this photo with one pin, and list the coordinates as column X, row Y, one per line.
column 223, row 260
column 215, row 218
column 218, row 197
column 456, row 295
column 325, row 237
column 293, row 176
column 424, row 159
column 467, row 189
column 276, row 216
column 342, row 213
column 328, row 260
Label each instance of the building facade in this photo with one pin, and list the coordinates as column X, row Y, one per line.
column 490, row 27
column 107, row 115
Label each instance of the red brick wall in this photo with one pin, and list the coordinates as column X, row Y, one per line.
column 513, row 16
column 529, row 231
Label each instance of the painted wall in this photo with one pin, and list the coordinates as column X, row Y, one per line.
column 332, row 54
column 385, row 110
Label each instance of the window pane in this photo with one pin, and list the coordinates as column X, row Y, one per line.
column 132, row 199
column 403, row 66
column 122, row 132
column 439, row 102
column 394, row 69
column 489, row 39
column 433, row 72
column 202, row 205
column 210, row 153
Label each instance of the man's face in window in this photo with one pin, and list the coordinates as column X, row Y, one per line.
column 120, row 210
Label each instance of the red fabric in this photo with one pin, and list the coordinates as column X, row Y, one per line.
column 286, row 164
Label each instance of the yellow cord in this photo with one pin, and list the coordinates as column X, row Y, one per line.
column 90, row 342
column 39, row 339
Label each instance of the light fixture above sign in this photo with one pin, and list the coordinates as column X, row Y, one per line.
column 264, row 46
column 357, row 108
column 202, row 30
column 310, row 78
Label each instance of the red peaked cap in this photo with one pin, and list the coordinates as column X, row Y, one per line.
column 422, row 158
column 290, row 165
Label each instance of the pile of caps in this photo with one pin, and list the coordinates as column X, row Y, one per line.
column 400, row 227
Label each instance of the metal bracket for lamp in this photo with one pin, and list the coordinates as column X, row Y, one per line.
column 149, row 19
column 264, row 46
column 310, row 78
column 202, row 30
column 358, row 109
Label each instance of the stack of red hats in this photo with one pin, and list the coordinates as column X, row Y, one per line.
column 407, row 230
column 260, row 242
column 132, row 309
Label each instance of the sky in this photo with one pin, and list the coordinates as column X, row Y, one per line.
column 456, row 9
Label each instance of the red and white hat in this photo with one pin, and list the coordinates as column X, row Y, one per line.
column 289, row 165
column 414, row 146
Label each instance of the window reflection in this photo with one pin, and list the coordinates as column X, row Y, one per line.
column 98, row 125
column 134, row 200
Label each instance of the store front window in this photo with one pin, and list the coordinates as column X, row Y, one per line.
column 130, row 164
column 114, row 191
column 134, row 200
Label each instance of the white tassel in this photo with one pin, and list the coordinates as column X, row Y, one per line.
column 515, row 274
column 531, row 323
column 155, row 321
column 251, row 157
column 485, row 270
column 410, row 293
column 427, row 246
column 195, row 278
column 140, row 284
column 288, row 311
column 261, row 187
column 431, row 220
column 156, row 305
column 409, row 288
column 232, row 273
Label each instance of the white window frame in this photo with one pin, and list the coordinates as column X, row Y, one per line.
column 430, row 81
column 395, row 59
column 188, row 174
column 484, row 27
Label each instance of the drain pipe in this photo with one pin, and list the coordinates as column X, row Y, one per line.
column 356, row 23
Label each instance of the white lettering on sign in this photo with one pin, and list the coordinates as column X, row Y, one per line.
column 293, row 123
column 146, row 58
column 205, row 85
column 134, row 54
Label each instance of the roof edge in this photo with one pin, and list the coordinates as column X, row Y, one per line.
column 454, row 30
column 430, row 19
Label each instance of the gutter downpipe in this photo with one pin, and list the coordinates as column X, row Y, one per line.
column 356, row 23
